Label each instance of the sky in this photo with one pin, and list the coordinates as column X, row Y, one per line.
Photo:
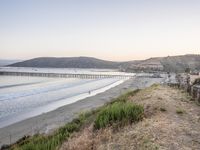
column 116, row 30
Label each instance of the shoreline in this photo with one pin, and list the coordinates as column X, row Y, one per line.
column 48, row 122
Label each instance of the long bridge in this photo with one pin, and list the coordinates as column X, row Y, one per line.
column 64, row 75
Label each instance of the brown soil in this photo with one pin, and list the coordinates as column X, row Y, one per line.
column 162, row 128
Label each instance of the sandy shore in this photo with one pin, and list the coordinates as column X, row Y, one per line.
column 49, row 121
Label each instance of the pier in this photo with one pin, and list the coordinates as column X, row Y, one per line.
column 64, row 75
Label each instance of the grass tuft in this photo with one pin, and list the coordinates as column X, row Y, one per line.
column 119, row 112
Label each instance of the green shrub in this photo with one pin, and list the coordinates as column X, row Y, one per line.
column 118, row 112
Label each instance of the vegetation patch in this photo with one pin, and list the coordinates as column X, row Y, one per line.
column 51, row 142
column 119, row 112
column 180, row 111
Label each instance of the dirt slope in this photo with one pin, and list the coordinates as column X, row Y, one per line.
column 172, row 122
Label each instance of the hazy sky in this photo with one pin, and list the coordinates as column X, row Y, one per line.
column 107, row 29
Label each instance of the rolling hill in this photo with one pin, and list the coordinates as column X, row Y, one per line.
column 67, row 62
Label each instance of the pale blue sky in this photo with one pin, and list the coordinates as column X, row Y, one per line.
column 107, row 29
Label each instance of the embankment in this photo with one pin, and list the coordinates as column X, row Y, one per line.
column 48, row 122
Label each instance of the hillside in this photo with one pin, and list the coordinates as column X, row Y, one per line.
column 180, row 63
column 169, row 64
column 171, row 121
column 67, row 62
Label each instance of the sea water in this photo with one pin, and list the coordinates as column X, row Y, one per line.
column 24, row 97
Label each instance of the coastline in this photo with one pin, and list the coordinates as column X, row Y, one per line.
column 48, row 122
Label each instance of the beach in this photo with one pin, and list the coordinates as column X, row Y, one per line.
column 48, row 122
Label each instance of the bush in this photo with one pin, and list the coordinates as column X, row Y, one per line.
column 119, row 112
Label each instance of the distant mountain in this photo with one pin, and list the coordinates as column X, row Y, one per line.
column 67, row 62
column 5, row 62
column 170, row 63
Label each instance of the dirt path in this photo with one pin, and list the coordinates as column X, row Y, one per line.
column 172, row 122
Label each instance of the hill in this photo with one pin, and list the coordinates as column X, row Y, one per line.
column 67, row 62
column 169, row 64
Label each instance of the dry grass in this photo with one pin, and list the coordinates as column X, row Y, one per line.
column 82, row 142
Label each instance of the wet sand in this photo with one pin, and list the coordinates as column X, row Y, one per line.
column 47, row 122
